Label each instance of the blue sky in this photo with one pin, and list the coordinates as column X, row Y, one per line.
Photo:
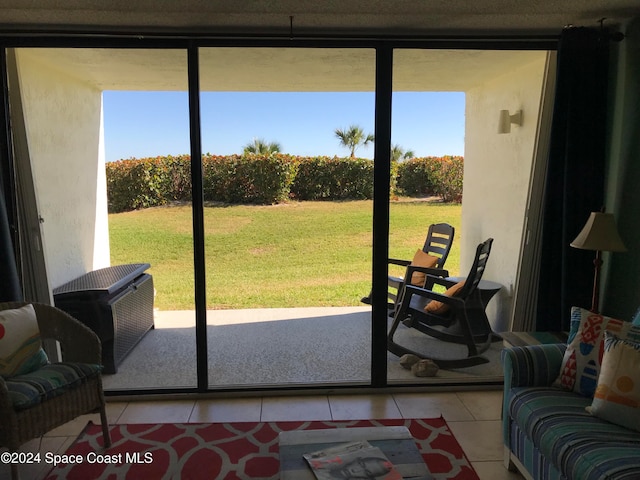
column 149, row 124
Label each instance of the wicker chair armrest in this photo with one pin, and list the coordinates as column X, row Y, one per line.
column 77, row 341
column 5, row 401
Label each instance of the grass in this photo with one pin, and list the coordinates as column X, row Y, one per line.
column 290, row 255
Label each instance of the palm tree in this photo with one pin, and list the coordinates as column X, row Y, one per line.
column 397, row 153
column 353, row 137
column 261, row 147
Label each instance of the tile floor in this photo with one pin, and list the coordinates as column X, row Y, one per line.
column 473, row 416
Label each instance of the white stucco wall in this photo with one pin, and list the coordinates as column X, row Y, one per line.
column 497, row 168
column 63, row 117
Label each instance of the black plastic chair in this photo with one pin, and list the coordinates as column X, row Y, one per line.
column 460, row 318
column 438, row 244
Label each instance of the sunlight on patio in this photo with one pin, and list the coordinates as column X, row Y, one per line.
column 273, row 347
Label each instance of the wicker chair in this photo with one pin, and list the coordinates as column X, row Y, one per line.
column 78, row 344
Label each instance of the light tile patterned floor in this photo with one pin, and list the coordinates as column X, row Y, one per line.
column 473, row 416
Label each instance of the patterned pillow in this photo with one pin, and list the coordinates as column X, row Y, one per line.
column 574, row 323
column 421, row 259
column 585, row 348
column 20, row 346
column 617, row 397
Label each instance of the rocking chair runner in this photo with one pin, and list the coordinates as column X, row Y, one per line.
column 457, row 318
column 437, row 244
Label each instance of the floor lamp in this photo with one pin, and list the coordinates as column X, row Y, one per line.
column 599, row 234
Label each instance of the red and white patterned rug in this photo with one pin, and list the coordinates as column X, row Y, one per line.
column 229, row 451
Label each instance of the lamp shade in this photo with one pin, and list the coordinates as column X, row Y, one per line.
column 600, row 233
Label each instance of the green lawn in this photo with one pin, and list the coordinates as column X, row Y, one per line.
column 290, row 255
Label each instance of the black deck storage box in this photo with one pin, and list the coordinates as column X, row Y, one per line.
column 116, row 303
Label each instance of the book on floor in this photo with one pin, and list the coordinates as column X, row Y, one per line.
column 350, row 461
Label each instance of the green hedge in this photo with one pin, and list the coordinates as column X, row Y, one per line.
column 147, row 182
column 448, row 179
column 260, row 179
column 248, row 179
column 325, row 178
column 439, row 176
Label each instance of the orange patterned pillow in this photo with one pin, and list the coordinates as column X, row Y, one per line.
column 421, row 259
column 438, row 308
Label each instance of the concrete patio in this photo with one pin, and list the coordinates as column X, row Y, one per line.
column 275, row 347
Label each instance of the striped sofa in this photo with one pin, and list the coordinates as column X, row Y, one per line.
column 547, row 432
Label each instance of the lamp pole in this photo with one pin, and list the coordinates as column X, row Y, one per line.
column 597, row 263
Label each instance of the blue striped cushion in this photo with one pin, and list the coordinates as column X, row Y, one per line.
column 48, row 382
column 578, row 444
column 533, row 365
column 536, row 464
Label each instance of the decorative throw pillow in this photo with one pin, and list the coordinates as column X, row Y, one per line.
column 421, row 259
column 585, row 348
column 574, row 323
column 617, row 396
column 20, row 345
column 438, row 308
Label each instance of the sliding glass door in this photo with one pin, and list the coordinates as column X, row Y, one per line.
column 287, row 214
column 464, row 171
column 266, row 185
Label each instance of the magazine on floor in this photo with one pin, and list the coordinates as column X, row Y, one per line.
column 351, row 461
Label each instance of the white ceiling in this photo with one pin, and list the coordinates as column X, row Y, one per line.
column 281, row 69
column 392, row 17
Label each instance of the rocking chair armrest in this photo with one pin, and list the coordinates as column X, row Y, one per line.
column 439, row 279
column 411, row 290
column 397, row 261
column 429, row 271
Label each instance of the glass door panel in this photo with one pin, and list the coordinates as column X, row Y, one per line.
column 108, row 134
column 446, row 110
column 288, row 214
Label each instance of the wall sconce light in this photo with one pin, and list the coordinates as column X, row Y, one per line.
column 504, row 126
